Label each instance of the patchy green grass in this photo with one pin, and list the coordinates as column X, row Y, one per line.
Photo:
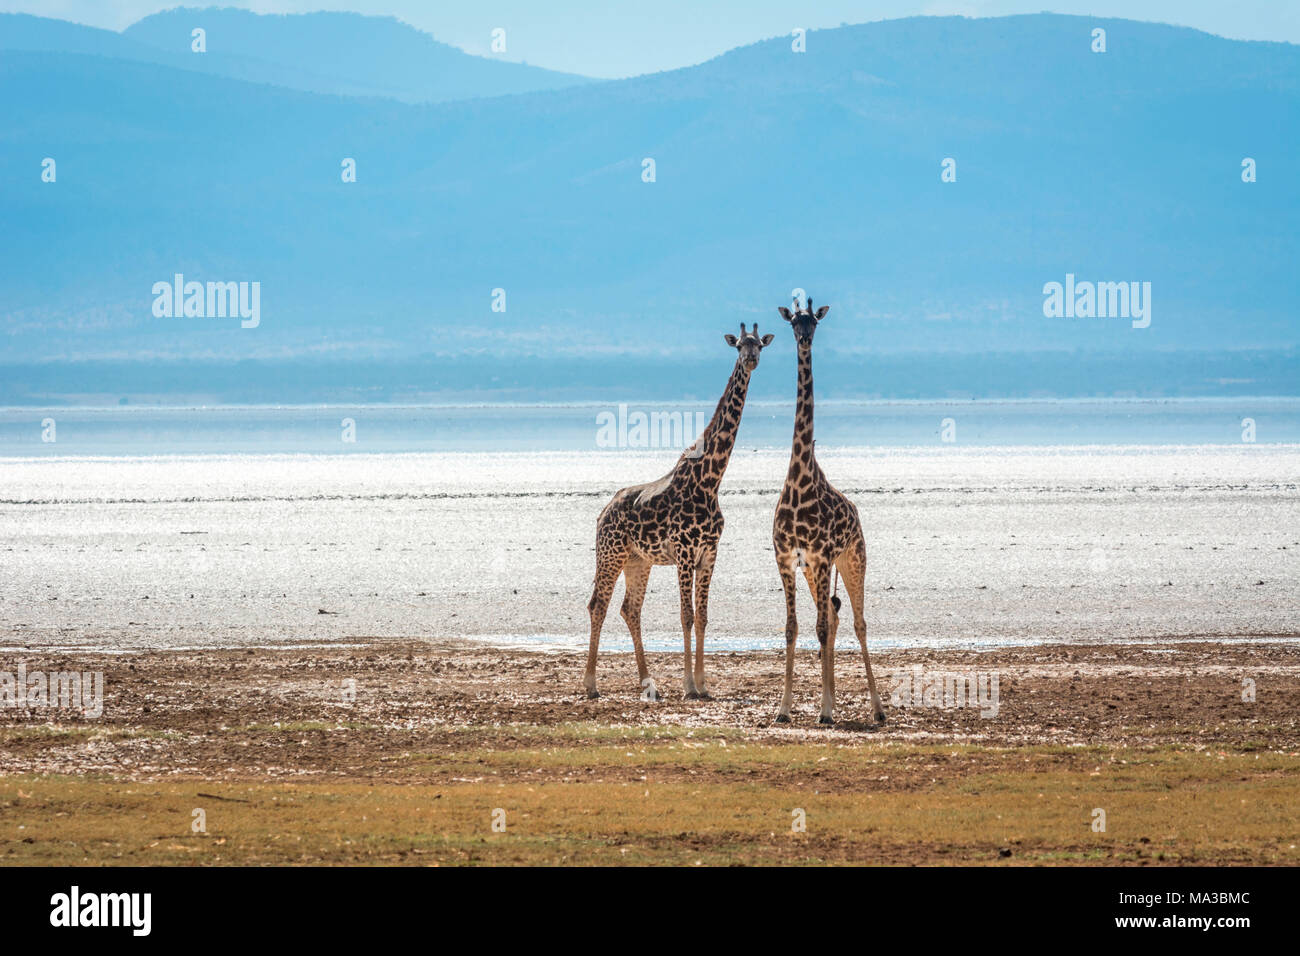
column 587, row 794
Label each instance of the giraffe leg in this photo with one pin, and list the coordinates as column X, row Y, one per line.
column 685, row 584
column 791, row 634
column 819, row 583
column 636, row 573
column 853, row 571
column 609, row 565
column 703, row 575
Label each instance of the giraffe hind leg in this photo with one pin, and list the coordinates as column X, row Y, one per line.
column 819, row 583
column 852, row 565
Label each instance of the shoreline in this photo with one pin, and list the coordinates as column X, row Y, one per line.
column 577, row 644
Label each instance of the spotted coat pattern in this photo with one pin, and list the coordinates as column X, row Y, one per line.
column 675, row 520
column 817, row 530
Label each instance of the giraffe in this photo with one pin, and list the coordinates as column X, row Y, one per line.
column 817, row 529
column 675, row 520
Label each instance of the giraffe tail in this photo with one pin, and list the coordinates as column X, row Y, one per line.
column 835, row 595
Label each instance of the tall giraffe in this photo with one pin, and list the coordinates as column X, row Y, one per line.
column 675, row 520
column 818, row 529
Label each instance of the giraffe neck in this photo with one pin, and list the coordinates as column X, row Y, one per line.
column 707, row 459
column 801, row 448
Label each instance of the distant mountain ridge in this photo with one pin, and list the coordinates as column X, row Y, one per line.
column 345, row 54
column 772, row 170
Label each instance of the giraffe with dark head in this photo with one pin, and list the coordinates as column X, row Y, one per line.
column 818, row 530
column 675, row 520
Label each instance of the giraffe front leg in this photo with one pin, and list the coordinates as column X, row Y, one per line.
column 703, row 575
column 636, row 573
column 791, row 635
column 608, row 568
column 685, row 585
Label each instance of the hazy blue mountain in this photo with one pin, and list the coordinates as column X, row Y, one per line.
column 336, row 53
column 345, row 53
column 21, row 31
column 775, row 170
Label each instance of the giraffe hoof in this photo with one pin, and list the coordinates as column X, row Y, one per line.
column 828, row 721
column 705, row 695
column 693, row 695
column 783, row 718
column 593, row 694
column 880, row 717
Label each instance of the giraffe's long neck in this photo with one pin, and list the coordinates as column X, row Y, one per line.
column 801, row 448
column 708, row 457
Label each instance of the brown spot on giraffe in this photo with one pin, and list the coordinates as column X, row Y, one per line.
column 675, row 520
column 817, row 529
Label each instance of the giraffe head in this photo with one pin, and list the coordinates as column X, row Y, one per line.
column 749, row 345
column 803, row 321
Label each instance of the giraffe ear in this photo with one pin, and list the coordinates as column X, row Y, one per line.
column 767, row 339
column 785, row 313
column 731, row 339
column 822, row 312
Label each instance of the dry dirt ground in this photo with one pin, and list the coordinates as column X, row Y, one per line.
column 442, row 753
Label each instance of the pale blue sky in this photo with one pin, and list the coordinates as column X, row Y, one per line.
column 609, row 39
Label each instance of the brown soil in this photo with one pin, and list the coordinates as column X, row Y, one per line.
column 283, row 714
